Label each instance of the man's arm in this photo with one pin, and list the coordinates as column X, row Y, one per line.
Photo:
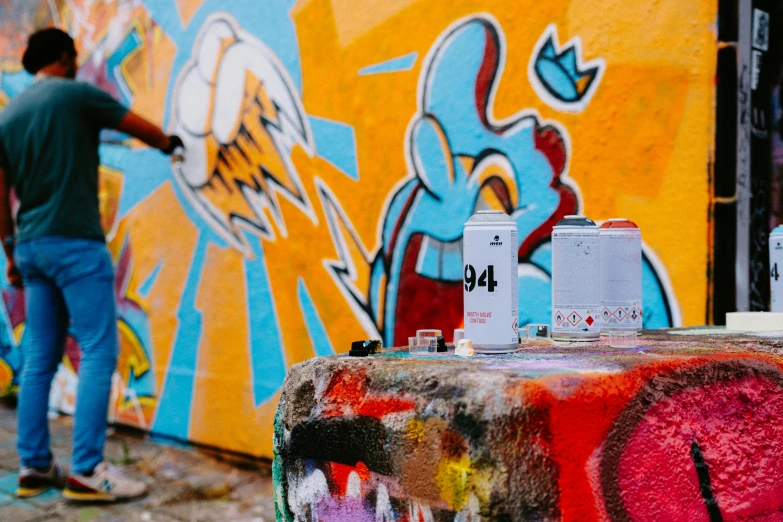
column 106, row 112
column 149, row 133
column 7, row 230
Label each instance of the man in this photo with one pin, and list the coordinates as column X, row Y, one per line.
column 49, row 155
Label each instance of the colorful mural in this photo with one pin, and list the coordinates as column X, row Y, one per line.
column 672, row 430
column 332, row 159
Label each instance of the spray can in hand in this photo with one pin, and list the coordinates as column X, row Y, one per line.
column 176, row 150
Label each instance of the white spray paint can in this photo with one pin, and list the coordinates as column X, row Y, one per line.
column 621, row 276
column 776, row 269
column 491, row 283
column 576, row 280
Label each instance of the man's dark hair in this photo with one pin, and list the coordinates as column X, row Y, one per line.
column 45, row 47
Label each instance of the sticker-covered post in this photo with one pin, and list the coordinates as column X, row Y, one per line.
column 491, row 282
column 576, row 280
column 775, row 269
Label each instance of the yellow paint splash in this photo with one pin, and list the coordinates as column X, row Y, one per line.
column 6, row 377
column 454, row 480
column 416, row 430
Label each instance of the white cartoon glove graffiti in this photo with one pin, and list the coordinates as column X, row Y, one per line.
column 239, row 116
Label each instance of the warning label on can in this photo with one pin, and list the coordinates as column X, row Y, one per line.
column 621, row 278
column 576, row 319
column 576, row 289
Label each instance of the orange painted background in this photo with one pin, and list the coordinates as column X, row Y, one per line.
column 333, row 154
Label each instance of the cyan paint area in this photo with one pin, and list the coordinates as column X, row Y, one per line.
column 336, row 143
column 131, row 42
column 266, row 348
column 173, row 414
column 12, row 83
column 145, row 171
column 146, row 286
column 315, row 326
column 402, row 63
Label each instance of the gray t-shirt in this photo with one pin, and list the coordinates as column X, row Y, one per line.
column 49, row 151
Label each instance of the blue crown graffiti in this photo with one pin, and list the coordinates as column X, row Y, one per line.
column 559, row 75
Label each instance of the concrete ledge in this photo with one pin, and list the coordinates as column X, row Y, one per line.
column 686, row 427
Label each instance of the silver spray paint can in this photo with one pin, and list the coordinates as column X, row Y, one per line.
column 621, row 276
column 491, row 283
column 776, row 269
column 576, row 280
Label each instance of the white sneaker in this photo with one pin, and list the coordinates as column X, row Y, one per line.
column 34, row 481
column 106, row 483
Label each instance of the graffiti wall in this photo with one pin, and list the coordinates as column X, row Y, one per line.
column 681, row 428
column 333, row 156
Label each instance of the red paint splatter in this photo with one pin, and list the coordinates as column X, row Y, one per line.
column 339, row 474
column 14, row 303
column 737, row 428
column 347, row 387
column 550, row 143
column 598, row 403
column 73, row 352
column 347, row 393
column 377, row 408
column 334, row 411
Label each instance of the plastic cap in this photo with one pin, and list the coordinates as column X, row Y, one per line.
column 575, row 221
column 619, row 223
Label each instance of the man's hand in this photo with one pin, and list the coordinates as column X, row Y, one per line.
column 14, row 275
column 175, row 142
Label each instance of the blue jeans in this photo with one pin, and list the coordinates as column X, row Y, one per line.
column 69, row 284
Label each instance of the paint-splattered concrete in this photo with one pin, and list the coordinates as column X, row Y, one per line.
column 683, row 427
column 186, row 484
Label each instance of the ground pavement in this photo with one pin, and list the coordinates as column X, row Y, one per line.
column 186, row 483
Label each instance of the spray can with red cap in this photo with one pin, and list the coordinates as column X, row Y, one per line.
column 621, row 275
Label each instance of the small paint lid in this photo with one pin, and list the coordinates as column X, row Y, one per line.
column 614, row 223
column 575, row 221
